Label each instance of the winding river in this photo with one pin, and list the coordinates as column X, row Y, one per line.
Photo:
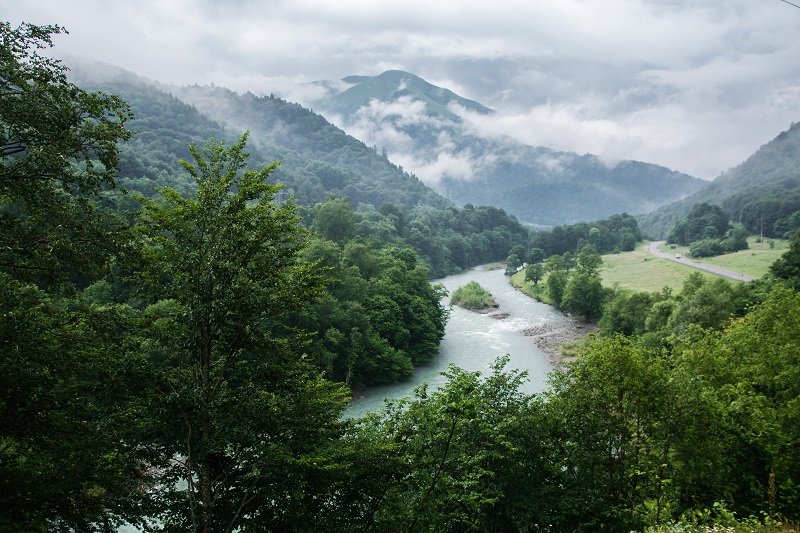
column 473, row 341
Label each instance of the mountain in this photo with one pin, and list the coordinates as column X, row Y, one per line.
column 546, row 187
column 431, row 131
column 319, row 161
column 763, row 192
column 393, row 86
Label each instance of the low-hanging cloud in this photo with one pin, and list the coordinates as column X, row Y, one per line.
column 694, row 85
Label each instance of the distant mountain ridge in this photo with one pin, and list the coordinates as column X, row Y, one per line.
column 423, row 125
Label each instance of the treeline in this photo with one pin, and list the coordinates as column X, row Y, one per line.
column 707, row 231
column 448, row 240
column 618, row 233
column 378, row 317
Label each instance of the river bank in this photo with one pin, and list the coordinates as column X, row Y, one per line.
column 553, row 336
column 562, row 330
column 473, row 342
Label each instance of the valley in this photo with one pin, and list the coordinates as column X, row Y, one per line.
column 224, row 311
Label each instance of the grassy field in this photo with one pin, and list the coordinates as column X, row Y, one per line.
column 538, row 292
column 754, row 261
column 637, row 270
column 640, row 271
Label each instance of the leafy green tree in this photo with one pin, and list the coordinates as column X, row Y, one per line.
column 736, row 239
column 69, row 459
column 70, row 376
column 706, row 247
column 749, row 373
column 534, row 273
column 584, row 295
column 787, row 267
column 536, row 255
column 334, row 219
column 58, row 146
column 711, row 305
column 513, row 262
column 464, row 454
column 554, row 263
column 238, row 412
column 556, row 283
column 704, row 221
column 611, row 415
column 583, row 292
column 626, row 313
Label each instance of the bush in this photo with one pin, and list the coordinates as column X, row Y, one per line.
column 707, row 248
column 473, row 296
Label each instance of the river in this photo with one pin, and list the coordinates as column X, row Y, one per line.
column 473, row 341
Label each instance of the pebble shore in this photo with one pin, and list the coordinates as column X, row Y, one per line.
column 551, row 336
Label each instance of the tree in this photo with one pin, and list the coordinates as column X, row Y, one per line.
column 70, row 379
column 69, row 458
column 58, row 147
column 704, row 221
column 750, row 374
column 787, row 267
column 464, row 456
column 237, row 409
column 583, row 293
column 536, row 255
column 626, row 313
column 335, row 220
column 556, row 282
column 534, row 273
column 612, row 424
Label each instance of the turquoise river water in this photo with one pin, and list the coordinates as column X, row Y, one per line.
column 473, row 341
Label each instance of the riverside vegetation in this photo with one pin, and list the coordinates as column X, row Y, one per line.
column 473, row 297
column 180, row 362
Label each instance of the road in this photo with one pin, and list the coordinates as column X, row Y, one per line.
column 653, row 248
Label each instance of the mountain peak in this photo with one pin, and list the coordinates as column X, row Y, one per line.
column 391, row 86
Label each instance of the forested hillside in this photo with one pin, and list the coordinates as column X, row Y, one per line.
column 761, row 193
column 318, row 162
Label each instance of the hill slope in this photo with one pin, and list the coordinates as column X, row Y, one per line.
column 319, row 161
column 772, row 172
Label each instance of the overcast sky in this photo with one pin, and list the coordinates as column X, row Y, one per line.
column 693, row 85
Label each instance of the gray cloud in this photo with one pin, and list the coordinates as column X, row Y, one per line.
column 696, row 85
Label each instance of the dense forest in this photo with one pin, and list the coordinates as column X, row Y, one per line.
column 180, row 360
column 319, row 162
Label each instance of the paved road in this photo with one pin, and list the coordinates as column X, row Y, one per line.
column 653, row 248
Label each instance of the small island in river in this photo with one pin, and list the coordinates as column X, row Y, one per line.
column 473, row 297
